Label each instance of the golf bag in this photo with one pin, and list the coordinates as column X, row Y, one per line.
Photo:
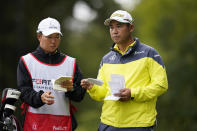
column 8, row 122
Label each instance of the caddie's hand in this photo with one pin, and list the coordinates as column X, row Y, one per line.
column 68, row 84
column 124, row 94
column 47, row 98
column 86, row 85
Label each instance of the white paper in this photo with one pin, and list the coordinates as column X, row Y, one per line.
column 57, row 83
column 115, row 87
column 95, row 81
column 118, row 78
column 112, row 97
column 116, row 84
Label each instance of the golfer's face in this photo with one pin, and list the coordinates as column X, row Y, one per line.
column 50, row 43
column 120, row 32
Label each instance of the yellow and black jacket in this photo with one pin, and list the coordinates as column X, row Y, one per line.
column 144, row 74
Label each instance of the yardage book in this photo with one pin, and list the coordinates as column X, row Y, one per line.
column 57, row 83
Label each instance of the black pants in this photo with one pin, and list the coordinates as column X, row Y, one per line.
column 103, row 127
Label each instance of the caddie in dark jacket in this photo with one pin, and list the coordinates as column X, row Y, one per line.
column 47, row 109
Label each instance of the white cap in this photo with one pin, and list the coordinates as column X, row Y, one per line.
column 120, row 16
column 49, row 26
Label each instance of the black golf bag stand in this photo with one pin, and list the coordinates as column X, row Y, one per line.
column 8, row 122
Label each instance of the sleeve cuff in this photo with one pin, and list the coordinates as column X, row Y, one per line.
column 91, row 90
column 133, row 93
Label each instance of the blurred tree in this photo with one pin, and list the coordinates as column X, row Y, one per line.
column 170, row 27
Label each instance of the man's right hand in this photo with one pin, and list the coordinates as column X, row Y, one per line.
column 86, row 85
column 47, row 98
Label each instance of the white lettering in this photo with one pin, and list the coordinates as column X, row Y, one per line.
column 156, row 55
column 59, row 128
column 34, row 126
column 138, row 52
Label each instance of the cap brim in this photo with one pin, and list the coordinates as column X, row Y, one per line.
column 49, row 32
column 107, row 21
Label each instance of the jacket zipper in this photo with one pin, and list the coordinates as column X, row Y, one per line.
column 50, row 58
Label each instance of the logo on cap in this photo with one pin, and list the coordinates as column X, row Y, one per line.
column 52, row 26
column 119, row 15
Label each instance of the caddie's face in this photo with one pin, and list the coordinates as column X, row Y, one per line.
column 49, row 43
column 120, row 32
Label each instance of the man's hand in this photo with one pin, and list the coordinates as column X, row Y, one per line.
column 47, row 98
column 68, row 84
column 86, row 85
column 125, row 94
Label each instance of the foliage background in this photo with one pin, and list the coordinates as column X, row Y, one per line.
column 167, row 25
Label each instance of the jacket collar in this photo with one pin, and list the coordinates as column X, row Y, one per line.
column 130, row 50
column 41, row 52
